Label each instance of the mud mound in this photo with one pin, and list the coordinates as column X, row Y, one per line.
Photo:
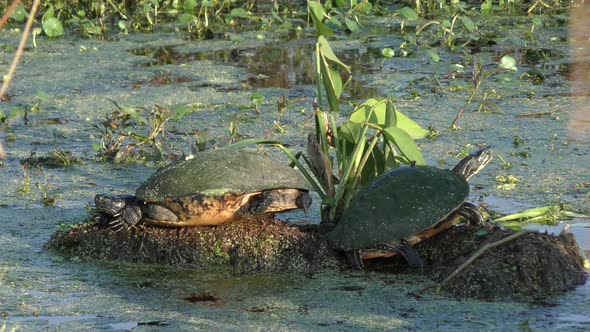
column 532, row 265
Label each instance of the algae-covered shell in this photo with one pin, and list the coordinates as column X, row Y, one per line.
column 216, row 172
column 400, row 203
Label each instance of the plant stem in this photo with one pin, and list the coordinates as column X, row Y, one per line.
column 21, row 47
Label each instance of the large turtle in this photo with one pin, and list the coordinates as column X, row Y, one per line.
column 211, row 188
column 405, row 206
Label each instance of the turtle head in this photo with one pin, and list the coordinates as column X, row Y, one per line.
column 473, row 163
column 303, row 201
column 124, row 208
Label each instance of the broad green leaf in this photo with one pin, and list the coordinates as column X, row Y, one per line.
column 317, row 16
column 186, row 18
column 387, row 52
column 351, row 131
column 382, row 111
column 404, row 143
column 332, row 85
column 351, row 25
column 48, row 13
column 316, row 9
column 52, row 27
column 410, row 126
column 390, row 115
column 322, row 29
column 467, row 22
column 239, row 12
column 334, row 22
column 372, row 111
column 326, row 51
column 409, row 14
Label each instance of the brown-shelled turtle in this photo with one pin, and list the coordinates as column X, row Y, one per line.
column 211, row 188
column 405, row 206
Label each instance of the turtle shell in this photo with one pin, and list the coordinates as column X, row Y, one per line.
column 400, row 203
column 218, row 172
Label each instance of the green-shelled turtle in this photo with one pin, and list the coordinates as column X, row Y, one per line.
column 405, row 206
column 212, row 188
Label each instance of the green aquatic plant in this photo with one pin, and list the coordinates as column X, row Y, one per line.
column 341, row 158
column 52, row 26
column 478, row 76
column 546, row 215
column 134, row 132
column 46, row 198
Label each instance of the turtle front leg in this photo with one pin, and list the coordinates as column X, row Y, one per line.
column 354, row 259
column 472, row 213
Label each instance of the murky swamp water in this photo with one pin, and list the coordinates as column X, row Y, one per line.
column 215, row 79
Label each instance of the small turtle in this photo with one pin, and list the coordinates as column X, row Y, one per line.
column 214, row 187
column 405, row 206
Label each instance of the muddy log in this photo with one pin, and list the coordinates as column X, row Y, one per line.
column 533, row 265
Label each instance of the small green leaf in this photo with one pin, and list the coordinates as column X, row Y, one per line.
column 433, row 55
column 48, row 13
column 387, row 52
column 186, row 18
column 235, row 37
column 41, row 95
column 409, row 14
column 16, row 111
column 53, row 27
column 239, row 12
column 19, row 13
column 508, row 62
column 189, row 5
column 351, row 25
column 468, row 23
column 316, row 9
column 486, row 7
